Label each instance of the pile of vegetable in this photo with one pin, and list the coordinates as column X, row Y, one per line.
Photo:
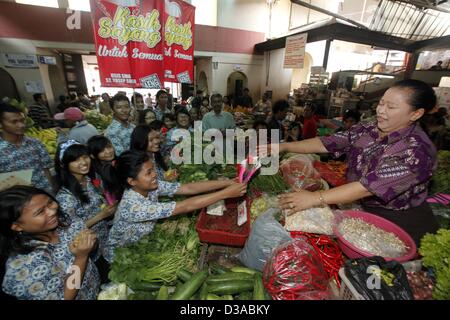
column 440, row 182
column 203, row 172
column 334, row 172
column 328, row 250
column 435, row 249
column 213, row 283
column 156, row 259
column 295, row 272
column 442, row 214
column 273, row 184
column 262, row 204
column 299, row 173
column 98, row 120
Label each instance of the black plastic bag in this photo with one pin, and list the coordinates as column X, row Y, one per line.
column 377, row 279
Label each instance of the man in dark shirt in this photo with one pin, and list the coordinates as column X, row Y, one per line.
column 246, row 100
column 197, row 101
column 40, row 112
column 279, row 112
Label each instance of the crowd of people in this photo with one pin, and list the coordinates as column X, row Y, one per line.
column 105, row 188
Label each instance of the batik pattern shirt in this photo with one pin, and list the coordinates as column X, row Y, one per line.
column 73, row 208
column 31, row 154
column 41, row 274
column 396, row 168
column 119, row 135
column 136, row 215
column 160, row 114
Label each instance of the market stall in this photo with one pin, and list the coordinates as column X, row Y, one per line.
column 315, row 254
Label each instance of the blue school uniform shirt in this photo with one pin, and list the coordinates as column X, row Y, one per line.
column 119, row 135
column 31, row 154
column 41, row 274
column 73, row 208
column 136, row 215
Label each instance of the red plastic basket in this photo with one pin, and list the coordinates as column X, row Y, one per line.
column 223, row 229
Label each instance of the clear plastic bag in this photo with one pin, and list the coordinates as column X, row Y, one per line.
column 299, row 173
column 295, row 271
column 262, row 204
column 314, row 220
column 113, row 291
column 266, row 234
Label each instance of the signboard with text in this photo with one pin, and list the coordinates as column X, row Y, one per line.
column 294, row 56
column 142, row 43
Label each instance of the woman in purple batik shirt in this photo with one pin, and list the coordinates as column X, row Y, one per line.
column 390, row 162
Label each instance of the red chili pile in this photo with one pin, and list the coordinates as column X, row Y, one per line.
column 328, row 251
column 295, row 272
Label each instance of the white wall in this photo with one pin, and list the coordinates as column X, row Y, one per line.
column 279, row 78
column 205, row 12
column 250, row 65
column 20, row 75
column 205, row 65
column 243, row 14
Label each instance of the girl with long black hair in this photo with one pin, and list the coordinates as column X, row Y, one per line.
column 78, row 197
column 40, row 248
column 104, row 175
column 147, row 138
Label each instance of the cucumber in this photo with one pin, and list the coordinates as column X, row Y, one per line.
column 142, row 295
column 145, row 286
column 184, row 275
column 245, row 296
column 195, row 297
column 163, row 293
column 229, row 276
column 244, row 270
column 191, row 286
column 258, row 288
column 231, row 287
column 212, row 296
column 204, row 291
column 216, row 269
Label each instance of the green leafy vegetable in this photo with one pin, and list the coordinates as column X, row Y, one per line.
column 440, row 183
column 435, row 249
column 158, row 257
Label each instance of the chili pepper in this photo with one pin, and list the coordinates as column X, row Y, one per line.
column 328, row 251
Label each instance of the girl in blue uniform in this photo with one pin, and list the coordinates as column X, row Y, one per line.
column 42, row 248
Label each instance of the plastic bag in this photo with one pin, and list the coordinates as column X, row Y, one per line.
column 114, row 291
column 376, row 279
column 262, row 204
column 295, row 272
column 299, row 173
column 266, row 235
column 313, row 220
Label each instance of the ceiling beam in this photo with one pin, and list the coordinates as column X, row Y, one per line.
column 321, row 10
column 432, row 44
column 339, row 31
column 424, row 5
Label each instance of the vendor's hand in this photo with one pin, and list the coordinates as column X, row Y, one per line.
column 83, row 243
column 297, row 201
column 264, row 150
column 235, row 190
